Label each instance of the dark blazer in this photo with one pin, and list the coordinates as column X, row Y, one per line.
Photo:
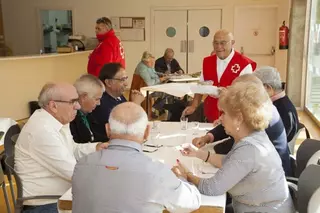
column 161, row 65
column 81, row 133
column 276, row 133
column 102, row 112
column 288, row 115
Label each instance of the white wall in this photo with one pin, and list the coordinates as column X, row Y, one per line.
column 21, row 29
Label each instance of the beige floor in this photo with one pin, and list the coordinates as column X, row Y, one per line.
column 303, row 117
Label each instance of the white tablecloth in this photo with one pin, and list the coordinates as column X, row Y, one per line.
column 5, row 124
column 170, row 135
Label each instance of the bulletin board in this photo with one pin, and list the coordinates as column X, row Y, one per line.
column 129, row 28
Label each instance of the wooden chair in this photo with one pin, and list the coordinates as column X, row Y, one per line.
column 137, row 83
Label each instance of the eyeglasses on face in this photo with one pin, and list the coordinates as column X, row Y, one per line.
column 71, row 102
column 123, row 79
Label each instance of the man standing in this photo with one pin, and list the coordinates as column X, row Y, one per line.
column 125, row 179
column 108, row 50
column 167, row 64
column 221, row 68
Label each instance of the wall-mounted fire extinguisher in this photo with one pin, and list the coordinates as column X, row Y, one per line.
column 283, row 37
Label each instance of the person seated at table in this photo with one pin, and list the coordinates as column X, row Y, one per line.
column 168, row 64
column 271, row 80
column 45, row 153
column 251, row 172
column 275, row 131
column 146, row 70
column 90, row 90
column 115, row 80
column 127, row 180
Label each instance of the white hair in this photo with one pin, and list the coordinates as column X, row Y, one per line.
column 269, row 75
column 136, row 128
column 146, row 56
column 47, row 94
column 88, row 84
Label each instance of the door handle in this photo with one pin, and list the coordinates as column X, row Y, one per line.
column 183, row 46
column 273, row 50
column 191, row 46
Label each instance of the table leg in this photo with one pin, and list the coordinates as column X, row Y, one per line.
column 147, row 104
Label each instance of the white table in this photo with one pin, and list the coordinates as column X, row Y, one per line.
column 183, row 78
column 170, row 135
column 5, row 124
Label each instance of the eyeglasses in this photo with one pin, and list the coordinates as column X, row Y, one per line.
column 73, row 101
column 123, row 79
column 222, row 43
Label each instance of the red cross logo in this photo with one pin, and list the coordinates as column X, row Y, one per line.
column 235, row 68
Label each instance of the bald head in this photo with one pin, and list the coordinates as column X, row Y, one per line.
column 223, row 42
column 168, row 55
column 128, row 121
column 60, row 100
column 54, row 91
column 223, row 33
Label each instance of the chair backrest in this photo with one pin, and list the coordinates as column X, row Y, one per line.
column 137, row 83
column 292, row 143
column 315, row 158
column 9, row 161
column 1, row 171
column 314, row 204
column 10, row 139
column 304, row 153
column 308, row 183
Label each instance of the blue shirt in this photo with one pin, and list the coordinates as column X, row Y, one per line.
column 148, row 74
column 102, row 112
column 123, row 179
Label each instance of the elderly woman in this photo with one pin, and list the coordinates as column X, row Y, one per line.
column 90, row 90
column 146, row 70
column 251, row 172
column 271, row 80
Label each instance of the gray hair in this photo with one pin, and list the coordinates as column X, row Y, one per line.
column 135, row 128
column 270, row 76
column 146, row 56
column 88, row 84
column 47, row 94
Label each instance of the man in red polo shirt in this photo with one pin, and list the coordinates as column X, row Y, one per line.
column 109, row 49
column 221, row 68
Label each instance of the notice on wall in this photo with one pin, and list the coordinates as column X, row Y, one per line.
column 129, row 28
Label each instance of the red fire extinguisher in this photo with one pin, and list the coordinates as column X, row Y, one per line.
column 283, row 37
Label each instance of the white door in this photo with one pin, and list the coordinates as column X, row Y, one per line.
column 202, row 24
column 170, row 31
column 255, row 31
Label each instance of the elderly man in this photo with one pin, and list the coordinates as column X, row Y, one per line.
column 271, row 80
column 115, row 79
column 45, row 153
column 127, row 180
column 221, row 68
column 90, row 90
column 167, row 64
column 109, row 49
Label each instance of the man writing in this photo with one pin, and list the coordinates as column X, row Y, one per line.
column 127, row 180
column 108, row 50
column 221, row 68
column 168, row 64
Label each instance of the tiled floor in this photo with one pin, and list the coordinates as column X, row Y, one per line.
column 303, row 117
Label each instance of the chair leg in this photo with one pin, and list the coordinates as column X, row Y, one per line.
column 3, row 185
column 12, row 191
